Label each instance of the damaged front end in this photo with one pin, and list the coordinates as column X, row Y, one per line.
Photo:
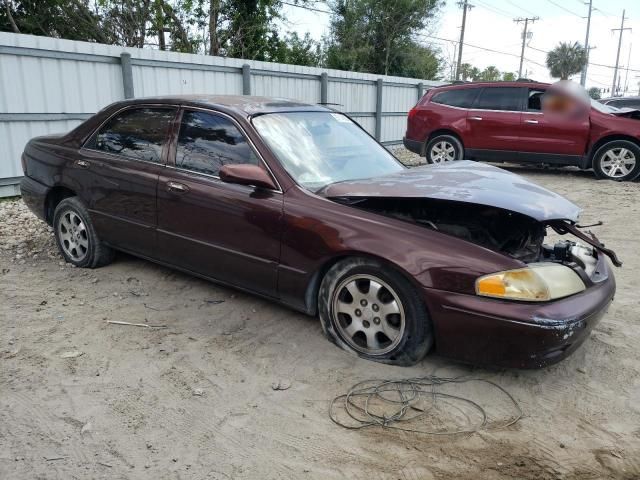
column 514, row 234
column 481, row 204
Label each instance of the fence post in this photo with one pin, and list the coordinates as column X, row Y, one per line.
column 379, row 87
column 127, row 75
column 324, row 87
column 246, row 79
column 420, row 90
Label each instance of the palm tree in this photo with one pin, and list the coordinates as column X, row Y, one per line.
column 566, row 59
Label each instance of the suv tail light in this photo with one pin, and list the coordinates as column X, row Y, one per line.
column 412, row 113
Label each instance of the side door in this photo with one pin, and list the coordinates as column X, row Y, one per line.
column 224, row 231
column 493, row 123
column 551, row 138
column 119, row 169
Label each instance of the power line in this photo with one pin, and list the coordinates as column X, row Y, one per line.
column 306, row 7
column 615, row 72
column 521, row 8
column 493, row 9
column 564, row 8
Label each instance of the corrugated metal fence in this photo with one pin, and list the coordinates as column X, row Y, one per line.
column 48, row 85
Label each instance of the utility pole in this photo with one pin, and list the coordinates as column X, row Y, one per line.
column 465, row 5
column 583, row 75
column 524, row 37
column 615, row 72
column 626, row 75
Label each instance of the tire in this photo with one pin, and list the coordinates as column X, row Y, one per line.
column 76, row 237
column 617, row 160
column 443, row 148
column 403, row 336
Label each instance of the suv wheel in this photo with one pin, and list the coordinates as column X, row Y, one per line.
column 76, row 237
column 444, row 148
column 375, row 312
column 617, row 160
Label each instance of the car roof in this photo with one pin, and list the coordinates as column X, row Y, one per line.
column 245, row 105
column 521, row 83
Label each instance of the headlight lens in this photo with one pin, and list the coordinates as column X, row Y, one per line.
column 538, row 282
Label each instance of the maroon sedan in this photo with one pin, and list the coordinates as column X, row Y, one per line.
column 299, row 204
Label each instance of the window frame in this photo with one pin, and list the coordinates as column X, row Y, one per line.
column 138, row 106
column 442, row 92
column 175, row 133
column 527, row 110
column 521, row 98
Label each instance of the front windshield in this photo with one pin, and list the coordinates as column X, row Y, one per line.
column 319, row 148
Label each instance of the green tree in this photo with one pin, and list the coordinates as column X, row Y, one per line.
column 509, row 76
column 566, row 59
column 295, row 50
column 70, row 19
column 490, row 74
column 594, row 92
column 381, row 36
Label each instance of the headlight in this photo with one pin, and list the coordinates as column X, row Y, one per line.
column 538, row 282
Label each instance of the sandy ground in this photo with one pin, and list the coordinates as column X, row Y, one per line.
column 195, row 400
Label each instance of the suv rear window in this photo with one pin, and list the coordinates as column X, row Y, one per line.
column 499, row 98
column 462, row 97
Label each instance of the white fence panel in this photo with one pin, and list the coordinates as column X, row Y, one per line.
column 49, row 85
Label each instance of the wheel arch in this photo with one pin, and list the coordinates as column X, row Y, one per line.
column 603, row 141
column 53, row 198
column 313, row 286
column 441, row 131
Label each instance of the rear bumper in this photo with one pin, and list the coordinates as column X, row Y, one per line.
column 517, row 334
column 413, row 145
column 34, row 195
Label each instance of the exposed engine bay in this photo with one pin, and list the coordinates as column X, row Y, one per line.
column 511, row 233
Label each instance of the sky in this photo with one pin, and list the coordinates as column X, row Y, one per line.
column 490, row 24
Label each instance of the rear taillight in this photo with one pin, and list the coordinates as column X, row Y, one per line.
column 412, row 113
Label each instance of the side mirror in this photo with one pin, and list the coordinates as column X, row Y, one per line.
column 247, row 174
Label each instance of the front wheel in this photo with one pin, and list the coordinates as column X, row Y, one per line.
column 617, row 160
column 369, row 309
column 444, row 148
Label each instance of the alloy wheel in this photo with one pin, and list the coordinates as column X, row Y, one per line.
column 617, row 162
column 73, row 236
column 368, row 314
column 442, row 151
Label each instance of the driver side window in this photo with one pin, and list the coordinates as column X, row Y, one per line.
column 208, row 141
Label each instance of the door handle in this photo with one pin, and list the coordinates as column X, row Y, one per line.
column 176, row 187
column 475, row 118
column 531, row 121
column 83, row 164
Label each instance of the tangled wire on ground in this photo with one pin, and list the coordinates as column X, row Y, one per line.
column 401, row 404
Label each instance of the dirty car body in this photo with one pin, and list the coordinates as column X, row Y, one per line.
column 269, row 220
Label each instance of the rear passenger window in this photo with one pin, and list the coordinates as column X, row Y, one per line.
column 499, row 98
column 208, row 141
column 137, row 133
column 462, row 97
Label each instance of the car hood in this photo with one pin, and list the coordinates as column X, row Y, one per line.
column 462, row 181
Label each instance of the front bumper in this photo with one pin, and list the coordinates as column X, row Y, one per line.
column 517, row 334
column 414, row 146
column 34, row 195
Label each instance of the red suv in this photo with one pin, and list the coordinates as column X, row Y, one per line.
column 504, row 122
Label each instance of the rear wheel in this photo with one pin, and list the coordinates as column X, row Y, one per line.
column 76, row 237
column 617, row 160
column 444, row 148
column 375, row 312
